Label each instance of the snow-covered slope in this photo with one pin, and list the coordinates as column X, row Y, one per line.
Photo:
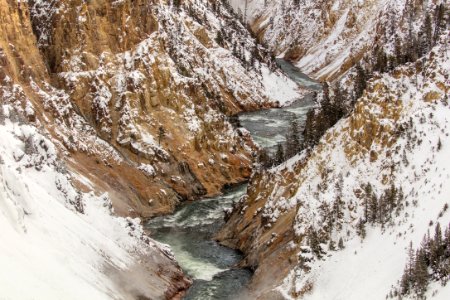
column 61, row 243
column 377, row 181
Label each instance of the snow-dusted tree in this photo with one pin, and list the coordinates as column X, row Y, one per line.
column 381, row 63
column 161, row 134
column 420, row 273
column 314, row 242
column 2, row 115
column 29, row 147
column 426, row 35
column 264, row 159
column 279, row 156
column 431, row 262
column 341, row 243
column 293, row 140
column 176, row 3
column 439, row 144
column 219, row 38
column 440, row 22
column 361, row 228
column 360, row 81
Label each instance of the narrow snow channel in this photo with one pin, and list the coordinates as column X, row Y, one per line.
column 190, row 230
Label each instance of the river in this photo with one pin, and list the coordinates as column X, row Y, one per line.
column 189, row 231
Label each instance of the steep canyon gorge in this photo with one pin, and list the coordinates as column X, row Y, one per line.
column 124, row 124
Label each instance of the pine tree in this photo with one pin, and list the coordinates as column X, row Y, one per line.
column 339, row 185
column 410, row 266
column 338, row 214
column 292, row 140
column 338, row 98
column 436, row 249
column 197, row 145
column 434, row 255
column 381, row 64
column 309, row 131
column 360, row 81
column 279, row 156
column 399, row 205
column 361, row 228
column 332, row 245
column 29, row 147
column 161, row 134
column 234, row 121
column 235, row 51
column 382, row 211
column 2, row 115
column 264, row 159
column 426, row 35
column 326, row 92
column 341, row 243
column 219, row 38
column 405, row 282
column 314, row 242
column 391, row 196
column 412, row 49
column 445, row 268
column 373, row 208
column 420, row 276
column 440, row 23
column 398, row 50
column 177, row 3
column 368, row 192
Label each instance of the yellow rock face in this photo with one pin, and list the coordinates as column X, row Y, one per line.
column 130, row 90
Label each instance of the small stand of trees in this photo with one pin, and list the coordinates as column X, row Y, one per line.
column 415, row 45
column 329, row 112
column 380, row 210
column 286, row 150
column 431, row 262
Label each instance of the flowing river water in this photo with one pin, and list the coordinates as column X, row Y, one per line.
column 190, row 230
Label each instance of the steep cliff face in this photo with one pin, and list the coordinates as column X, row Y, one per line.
column 326, row 38
column 138, row 93
column 376, row 182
